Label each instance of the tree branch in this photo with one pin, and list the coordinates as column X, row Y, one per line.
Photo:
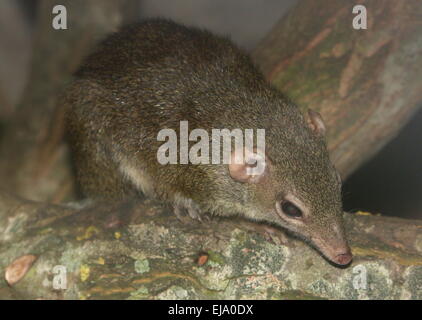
column 365, row 83
column 139, row 250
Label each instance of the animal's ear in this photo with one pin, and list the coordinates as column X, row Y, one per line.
column 315, row 122
column 250, row 167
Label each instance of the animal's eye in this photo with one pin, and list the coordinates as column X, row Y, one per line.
column 290, row 209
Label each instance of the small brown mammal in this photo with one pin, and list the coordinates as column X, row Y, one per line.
column 157, row 73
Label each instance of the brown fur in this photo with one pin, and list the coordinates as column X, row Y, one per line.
column 154, row 74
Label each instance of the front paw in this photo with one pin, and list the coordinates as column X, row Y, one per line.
column 275, row 236
column 189, row 212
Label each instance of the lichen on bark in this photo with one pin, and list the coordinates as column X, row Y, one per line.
column 139, row 250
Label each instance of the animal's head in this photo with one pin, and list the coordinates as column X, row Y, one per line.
column 296, row 187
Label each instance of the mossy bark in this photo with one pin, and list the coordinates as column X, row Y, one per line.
column 139, row 250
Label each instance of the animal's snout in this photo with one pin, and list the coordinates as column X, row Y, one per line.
column 343, row 258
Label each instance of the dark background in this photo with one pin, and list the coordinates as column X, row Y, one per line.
column 390, row 183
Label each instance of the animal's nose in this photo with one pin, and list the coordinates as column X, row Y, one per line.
column 343, row 258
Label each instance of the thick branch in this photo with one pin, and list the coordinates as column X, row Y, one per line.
column 365, row 83
column 137, row 250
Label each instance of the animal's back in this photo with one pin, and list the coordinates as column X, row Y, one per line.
column 163, row 50
column 147, row 77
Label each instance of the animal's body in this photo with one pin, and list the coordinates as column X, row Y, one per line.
column 151, row 76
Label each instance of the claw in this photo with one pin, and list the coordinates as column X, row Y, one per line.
column 271, row 234
column 275, row 236
column 192, row 212
column 178, row 212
